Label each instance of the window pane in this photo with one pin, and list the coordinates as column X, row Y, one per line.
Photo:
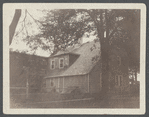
column 61, row 62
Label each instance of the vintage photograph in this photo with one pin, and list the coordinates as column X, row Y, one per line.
column 74, row 58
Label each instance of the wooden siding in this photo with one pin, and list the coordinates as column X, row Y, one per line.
column 77, row 81
column 95, row 79
column 54, row 86
column 62, row 84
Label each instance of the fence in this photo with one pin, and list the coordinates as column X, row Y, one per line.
column 25, row 96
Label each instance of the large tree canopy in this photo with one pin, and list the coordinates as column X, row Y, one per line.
column 122, row 27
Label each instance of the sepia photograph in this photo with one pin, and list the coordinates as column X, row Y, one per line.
column 72, row 56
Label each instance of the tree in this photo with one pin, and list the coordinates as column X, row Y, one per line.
column 13, row 24
column 132, row 25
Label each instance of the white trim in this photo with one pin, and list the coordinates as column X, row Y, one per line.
column 59, row 63
column 51, row 64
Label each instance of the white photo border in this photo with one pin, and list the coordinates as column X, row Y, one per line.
column 7, row 7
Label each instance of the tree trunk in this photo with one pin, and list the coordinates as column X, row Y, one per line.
column 13, row 24
column 104, row 52
column 104, row 42
column 105, row 66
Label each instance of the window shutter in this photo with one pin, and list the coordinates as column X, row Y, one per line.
column 61, row 62
column 52, row 64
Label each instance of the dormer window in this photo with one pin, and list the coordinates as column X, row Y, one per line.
column 52, row 64
column 61, row 63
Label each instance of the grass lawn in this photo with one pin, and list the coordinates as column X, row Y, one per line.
column 57, row 101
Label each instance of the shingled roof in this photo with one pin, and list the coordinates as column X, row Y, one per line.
column 69, row 50
column 84, row 63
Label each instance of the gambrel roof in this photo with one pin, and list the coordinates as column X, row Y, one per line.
column 89, row 54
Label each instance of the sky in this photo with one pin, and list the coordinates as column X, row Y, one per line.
column 32, row 29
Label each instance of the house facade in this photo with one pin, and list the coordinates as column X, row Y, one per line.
column 76, row 67
column 81, row 67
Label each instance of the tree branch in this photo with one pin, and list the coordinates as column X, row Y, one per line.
column 23, row 22
column 35, row 20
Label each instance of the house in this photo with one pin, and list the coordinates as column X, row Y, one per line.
column 26, row 68
column 80, row 67
column 75, row 68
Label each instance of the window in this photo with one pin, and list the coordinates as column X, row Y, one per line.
column 118, row 80
column 52, row 64
column 61, row 63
